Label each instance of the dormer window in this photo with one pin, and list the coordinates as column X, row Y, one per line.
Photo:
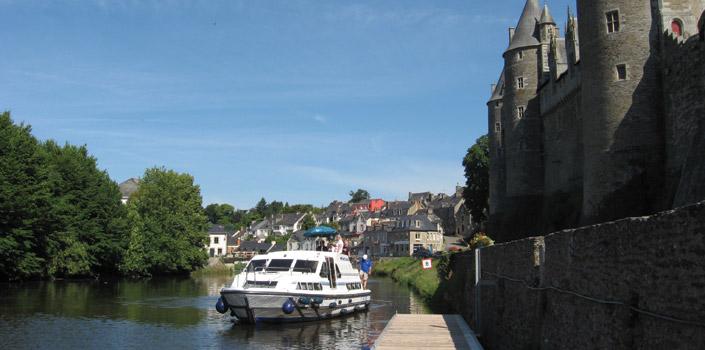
column 612, row 21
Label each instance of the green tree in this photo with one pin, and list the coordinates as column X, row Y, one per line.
column 302, row 208
column 477, row 189
column 223, row 214
column 308, row 222
column 359, row 195
column 261, row 207
column 275, row 208
column 169, row 227
column 23, row 199
column 86, row 222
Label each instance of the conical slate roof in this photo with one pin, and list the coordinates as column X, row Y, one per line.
column 546, row 17
column 525, row 33
column 498, row 92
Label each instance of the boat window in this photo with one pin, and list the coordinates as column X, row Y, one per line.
column 305, row 266
column 256, row 265
column 280, row 264
column 324, row 270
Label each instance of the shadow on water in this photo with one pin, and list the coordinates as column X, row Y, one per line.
column 176, row 312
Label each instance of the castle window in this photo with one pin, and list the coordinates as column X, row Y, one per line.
column 621, row 72
column 520, row 55
column 497, row 127
column 677, row 27
column 612, row 21
column 520, row 83
column 520, row 112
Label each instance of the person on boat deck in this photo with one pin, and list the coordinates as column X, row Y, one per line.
column 346, row 247
column 339, row 244
column 365, row 270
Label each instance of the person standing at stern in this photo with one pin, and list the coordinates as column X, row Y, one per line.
column 365, row 270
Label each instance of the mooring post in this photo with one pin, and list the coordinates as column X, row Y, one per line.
column 478, row 301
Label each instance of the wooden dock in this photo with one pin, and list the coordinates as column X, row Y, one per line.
column 427, row 332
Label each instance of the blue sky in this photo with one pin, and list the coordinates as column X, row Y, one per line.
column 298, row 101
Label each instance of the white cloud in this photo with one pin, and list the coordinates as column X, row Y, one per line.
column 320, row 118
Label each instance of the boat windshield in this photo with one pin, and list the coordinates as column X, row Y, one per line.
column 256, row 265
column 280, row 264
column 305, row 266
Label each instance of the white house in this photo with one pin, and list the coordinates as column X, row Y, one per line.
column 217, row 241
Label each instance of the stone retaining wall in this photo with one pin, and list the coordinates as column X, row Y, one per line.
column 591, row 287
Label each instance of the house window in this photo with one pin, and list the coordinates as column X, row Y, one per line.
column 621, row 72
column 215, row 240
column 612, row 21
column 520, row 83
column 220, row 251
column 417, row 236
column 520, row 112
column 677, row 27
column 497, row 127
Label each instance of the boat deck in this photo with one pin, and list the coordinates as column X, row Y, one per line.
column 427, row 332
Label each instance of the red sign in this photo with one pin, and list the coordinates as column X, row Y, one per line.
column 426, row 264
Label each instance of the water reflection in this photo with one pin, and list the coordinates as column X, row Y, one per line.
column 174, row 312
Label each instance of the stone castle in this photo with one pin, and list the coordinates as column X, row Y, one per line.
column 604, row 123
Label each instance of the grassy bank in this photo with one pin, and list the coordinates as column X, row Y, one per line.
column 219, row 270
column 408, row 271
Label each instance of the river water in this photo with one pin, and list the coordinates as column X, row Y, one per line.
column 173, row 313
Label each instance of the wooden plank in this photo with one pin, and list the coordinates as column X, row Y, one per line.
column 425, row 332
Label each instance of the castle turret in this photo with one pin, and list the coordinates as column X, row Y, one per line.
column 572, row 40
column 623, row 145
column 521, row 123
column 547, row 30
column 497, row 162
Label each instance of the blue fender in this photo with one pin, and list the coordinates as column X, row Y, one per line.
column 221, row 306
column 288, row 307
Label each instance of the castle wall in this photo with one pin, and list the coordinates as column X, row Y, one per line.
column 622, row 127
column 684, row 86
column 616, row 285
column 563, row 151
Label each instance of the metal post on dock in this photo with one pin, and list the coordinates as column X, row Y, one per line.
column 478, row 296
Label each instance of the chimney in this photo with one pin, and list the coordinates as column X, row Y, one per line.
column 511, row 34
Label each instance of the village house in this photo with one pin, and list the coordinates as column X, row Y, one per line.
column 217, row 240
column 298, row 241
column 403, row 235
column 280, row 224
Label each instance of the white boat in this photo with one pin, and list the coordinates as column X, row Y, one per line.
column 295, row 286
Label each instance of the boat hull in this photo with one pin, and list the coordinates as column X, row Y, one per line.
column 268, row 306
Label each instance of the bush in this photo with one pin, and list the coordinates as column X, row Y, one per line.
column 480, row 240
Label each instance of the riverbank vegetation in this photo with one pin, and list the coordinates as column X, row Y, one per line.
column 408, row 271
column 61, row 216
column 219, row 270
